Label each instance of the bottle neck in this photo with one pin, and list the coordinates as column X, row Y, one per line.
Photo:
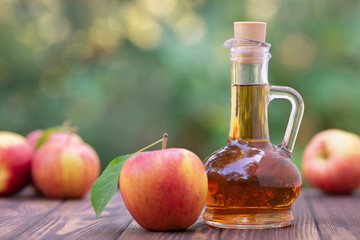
column 249, row 99
column 244, row 73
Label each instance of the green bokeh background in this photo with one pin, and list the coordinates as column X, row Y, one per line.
column 124, row 72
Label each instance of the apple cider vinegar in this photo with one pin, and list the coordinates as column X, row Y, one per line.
column 251, row 182
column 255, row 177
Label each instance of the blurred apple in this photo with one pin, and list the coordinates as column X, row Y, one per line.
column 15, row 158
column 165, row 189
column 331, row 161
column 65, row 169
column 33, row 137
column 57, row 135
column 54, row 135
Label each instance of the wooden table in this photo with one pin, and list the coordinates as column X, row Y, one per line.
column 29, row 216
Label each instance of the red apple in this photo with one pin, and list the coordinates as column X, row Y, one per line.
column 331, row 161
column 65, row 169
column 33, row 137
column 15, row 158
column 58, row 136
column 165, row 189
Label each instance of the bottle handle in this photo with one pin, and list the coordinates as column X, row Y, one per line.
column 297, row 111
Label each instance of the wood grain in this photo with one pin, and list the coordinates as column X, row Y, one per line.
column 336, row 216
column 75, row 219
column 29, row 216
column 20, row 212
column 197, row 231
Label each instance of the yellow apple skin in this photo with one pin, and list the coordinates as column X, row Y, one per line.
column 15, row 160
column 65, row 170
column 331, row 161
column 164, row 190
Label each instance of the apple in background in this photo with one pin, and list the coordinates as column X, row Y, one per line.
column 33, row 137
column 57, row 136
column 60, row 135
column 331, row 161
column 15, row 160
column 165, row 189
column 62, row 169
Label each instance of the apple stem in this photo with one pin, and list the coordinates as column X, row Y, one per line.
column 158, row 141
column 165, row 138
column 66, row 123
column 325, row 152
column 73, row 130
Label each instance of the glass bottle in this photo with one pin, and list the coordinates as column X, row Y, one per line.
column 253, row 183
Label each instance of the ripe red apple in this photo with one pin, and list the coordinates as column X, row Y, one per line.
column 64, row 136
column 331, row 161
column 33, row 137
column 165, row 189
column 15, row 158
column 65, row 169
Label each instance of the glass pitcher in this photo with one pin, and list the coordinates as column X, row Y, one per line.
column 253, row 183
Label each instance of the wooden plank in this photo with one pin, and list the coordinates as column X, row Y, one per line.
column 197, row 231
column 20, row 212
column 75, row 219
column 337, row 216
column 303, row 227
column 32, row 217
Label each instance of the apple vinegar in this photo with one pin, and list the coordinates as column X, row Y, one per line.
column 250, row 177
column 251, row 182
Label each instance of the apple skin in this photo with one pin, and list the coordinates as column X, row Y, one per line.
column 33, row 137
column 164, row 190
column 331, row 161
column 65, row 169
column 15, row 161
column 58, row 136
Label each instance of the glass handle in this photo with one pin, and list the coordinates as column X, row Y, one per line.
column 297, row 111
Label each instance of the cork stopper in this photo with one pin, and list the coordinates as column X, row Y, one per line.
column 255, row 31
column 243, row 49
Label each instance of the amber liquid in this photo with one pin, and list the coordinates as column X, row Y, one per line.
column 252, row 183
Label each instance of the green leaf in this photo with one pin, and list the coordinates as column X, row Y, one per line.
column 105, row 186
column 44, row 136
column 47, row 132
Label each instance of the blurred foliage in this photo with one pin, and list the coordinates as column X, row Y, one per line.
column 124, row 72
